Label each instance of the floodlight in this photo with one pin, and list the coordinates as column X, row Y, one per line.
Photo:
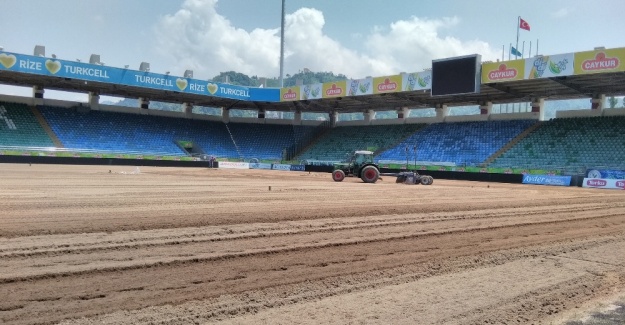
column 188, row 73
column 40, row 50
column 54, row 56
column 144, row 66
column 77, row 60
column 94, row 59
column 167, row 72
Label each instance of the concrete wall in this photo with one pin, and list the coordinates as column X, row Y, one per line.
column 614, row 112
column 578, row 113
column 515, row 116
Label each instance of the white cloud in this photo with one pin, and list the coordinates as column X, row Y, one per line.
column 561, row 13
column 197, row 37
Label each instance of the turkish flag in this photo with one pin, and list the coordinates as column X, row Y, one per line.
column 524, row 25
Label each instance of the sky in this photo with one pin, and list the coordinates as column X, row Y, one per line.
column 357, row 38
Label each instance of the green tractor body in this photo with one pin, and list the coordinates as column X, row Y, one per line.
column 360, row 165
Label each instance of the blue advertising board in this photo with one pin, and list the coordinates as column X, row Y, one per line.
column 298, row 168
column 547, row 180
column 605, row 173
column 98, row 73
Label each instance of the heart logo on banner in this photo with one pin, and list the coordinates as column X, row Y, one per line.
column 53, row 66
column 212, row 88
column 181, row 83
column 7, row 60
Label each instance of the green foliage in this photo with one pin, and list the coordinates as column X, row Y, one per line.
column 612, row 102
column 308, row 77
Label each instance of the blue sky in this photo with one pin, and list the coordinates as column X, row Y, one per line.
column 356, row 38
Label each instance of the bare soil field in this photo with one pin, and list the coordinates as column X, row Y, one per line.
column 106, row 245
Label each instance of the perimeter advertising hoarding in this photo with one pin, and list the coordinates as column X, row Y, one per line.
column 417, row 81
column 503, row 71
column 334, row 89
column 605, row 173
column 111, row 75
column 547, row 180
column 611, row 60
column 388, row 84
column 604, row 183
column 549, row 66
column 233, row 165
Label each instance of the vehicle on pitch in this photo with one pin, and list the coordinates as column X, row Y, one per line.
column 361, row 165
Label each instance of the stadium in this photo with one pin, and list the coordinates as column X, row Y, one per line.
column 132, row 215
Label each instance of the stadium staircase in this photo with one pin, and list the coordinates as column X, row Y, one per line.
column 510, row 144
column 19, row 128
column 46, row 127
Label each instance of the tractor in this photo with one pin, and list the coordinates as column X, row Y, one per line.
column 361, row 165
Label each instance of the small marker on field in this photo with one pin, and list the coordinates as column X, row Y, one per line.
column 270, row 188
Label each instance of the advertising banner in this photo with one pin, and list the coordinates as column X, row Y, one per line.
column 547, row 180
column 334, row 89
column 98, row 73
column 359, row 87
column 549, row 66
column 600, row 61
column 260, row 166
column 234, row 165
column 281, row 167
column 289, row 94
column 417, row 81
column 503, row 71
column 298, row 168
column 605, row 173
column 388, row 84
column 604, row 183
column 311, row 91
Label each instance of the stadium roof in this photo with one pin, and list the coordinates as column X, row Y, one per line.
column 569, row 87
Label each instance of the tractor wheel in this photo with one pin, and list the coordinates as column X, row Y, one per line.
column 431, row 181
column 369, row 174
column 338, row 175
column 400, row 179
column 424, row 180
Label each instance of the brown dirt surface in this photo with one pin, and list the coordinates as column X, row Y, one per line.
column 106, row 245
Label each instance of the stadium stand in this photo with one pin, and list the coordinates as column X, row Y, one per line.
column 339, row 142
column 570, row 144
column 461, row 144
column 265, row 141
column 157, row 135
column 20, row 128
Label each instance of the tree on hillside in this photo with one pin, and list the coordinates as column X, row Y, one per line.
column 612, row 102
column 237, row 78
column 308, row 77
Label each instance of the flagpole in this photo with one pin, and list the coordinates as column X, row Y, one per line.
column 518, row 24
column 510, row 50
column 523, row 49
column 503, row 51
column 537, row 46
column 529, row 53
